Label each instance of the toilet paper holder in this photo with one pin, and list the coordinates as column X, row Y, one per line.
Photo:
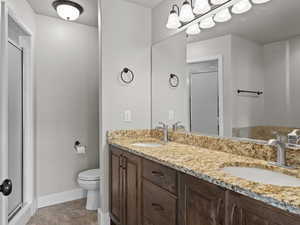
column 78, row 147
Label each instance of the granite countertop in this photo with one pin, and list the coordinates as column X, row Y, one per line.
column 206, row 164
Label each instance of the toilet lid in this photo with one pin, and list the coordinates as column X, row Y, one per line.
column 90, row 175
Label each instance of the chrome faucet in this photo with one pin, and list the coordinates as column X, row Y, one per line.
column 176, row 126
column 280, row 144
column 164, row 127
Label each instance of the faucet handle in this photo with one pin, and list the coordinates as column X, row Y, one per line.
column 176, row 126
column 164, row 125
column 273, row 142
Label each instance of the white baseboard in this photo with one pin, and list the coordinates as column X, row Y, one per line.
column 61, row 197
column 23, row 216
column 103, row 218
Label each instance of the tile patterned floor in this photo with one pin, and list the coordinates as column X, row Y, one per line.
column 69, row 213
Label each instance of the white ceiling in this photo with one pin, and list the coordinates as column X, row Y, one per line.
column 274, row 21
column 88, row 17
column 146, row 3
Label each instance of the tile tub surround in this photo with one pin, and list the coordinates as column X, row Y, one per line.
column 205, row 163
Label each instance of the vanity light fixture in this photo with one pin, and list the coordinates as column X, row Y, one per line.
column 207, row 23
column 204, row 13
column 173, row 20
column 193, row 29
column 67, row 10
column 201, row 7
column 223, row 16
column 186, row 13
column 260, row 1
column 241, row 7
column 218, row 2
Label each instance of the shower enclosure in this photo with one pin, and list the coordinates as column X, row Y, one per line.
column 17, row 163
column 15, row 126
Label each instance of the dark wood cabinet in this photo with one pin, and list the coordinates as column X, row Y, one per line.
column 162, row 176
column 125, row 188
column 200, row 203
column 143, row 192
column 159, row 206
column 241, row 210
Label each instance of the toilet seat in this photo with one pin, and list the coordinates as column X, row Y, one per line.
column 90, row 175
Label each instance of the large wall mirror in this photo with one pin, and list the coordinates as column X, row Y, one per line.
column 239, row 79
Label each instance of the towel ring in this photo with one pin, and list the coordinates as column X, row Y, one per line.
column 173, row 80
column 127, row 76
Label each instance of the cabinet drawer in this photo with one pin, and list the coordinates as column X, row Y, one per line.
column 160, row 175
column 159, row 206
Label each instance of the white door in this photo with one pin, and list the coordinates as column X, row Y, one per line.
column 204, row 103
column 5, row 187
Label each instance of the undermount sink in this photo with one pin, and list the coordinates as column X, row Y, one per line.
column 263, row 176
column 147, row 144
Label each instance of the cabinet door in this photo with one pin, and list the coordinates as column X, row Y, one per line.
column 242, row 210
column 132, row 189
column 116, row 180
column 200, row 203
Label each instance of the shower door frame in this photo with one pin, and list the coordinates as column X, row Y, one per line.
column 26, row 42
column 19, row 207
column 220, row 118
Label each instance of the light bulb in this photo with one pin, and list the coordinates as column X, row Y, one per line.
column 173, row 20
column 186, row 12
column 260, row 1
column 68, row 12
column 193, row 29
column 241, row 7
column 201, row 7
column 207, row 23
column 223, row 16
column 218, row 2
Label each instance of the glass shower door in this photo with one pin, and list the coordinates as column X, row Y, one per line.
column 15, row 127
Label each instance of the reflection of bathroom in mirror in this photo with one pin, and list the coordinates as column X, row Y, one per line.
column 238, row 79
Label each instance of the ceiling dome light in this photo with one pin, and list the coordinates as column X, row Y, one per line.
column 241, row 7
column 186, row 12
column 260, row 1
column 207, row 23
column 193, row 29
column 222, row 16
column 67, row 10
column 218, row 2
column 201, row 7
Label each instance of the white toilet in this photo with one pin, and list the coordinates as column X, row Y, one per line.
column 89, row 180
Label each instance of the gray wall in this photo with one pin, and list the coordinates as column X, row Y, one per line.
column 248, row 74
column 169, row 56
column 126, row 41
column 281, row 60
column 66, row 102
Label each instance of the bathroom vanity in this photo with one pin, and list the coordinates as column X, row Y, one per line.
column 180, row 184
